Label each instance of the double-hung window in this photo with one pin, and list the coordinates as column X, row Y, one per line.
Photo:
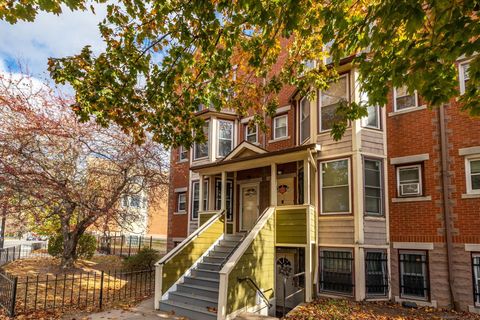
column 403, row 99
column 409, row 181
column 335, row 187
column 280, row 127
column 225, row 137
column 414, row 274
column 330, row 100
column 373, row 187
column 476, row 278
column 196, row 198
column 473, row 175
column 181, row 202
column 200, row 150
column 372, row 120
column 464, row 76
column 336, row 271
column 251, row 133
column 304, row 119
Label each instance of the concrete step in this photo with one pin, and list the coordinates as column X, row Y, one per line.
column 193, row 299
column 201, row 281
column 205, row 273
column 198, row 290
column 209, row 266
column 186, row 310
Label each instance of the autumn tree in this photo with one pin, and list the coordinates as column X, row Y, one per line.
column 55, row 168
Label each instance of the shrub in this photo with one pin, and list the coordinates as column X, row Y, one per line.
column 144, row 260
column 85, row 247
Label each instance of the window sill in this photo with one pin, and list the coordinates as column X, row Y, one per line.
column 474, row 309
column 279, row 139
column 411, row 199
column 182, row 161
column 177, row 213
column 408, row 110
column 470, row 195
column 374, row 218
column 423, row 302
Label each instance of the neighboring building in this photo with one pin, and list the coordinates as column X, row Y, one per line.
column 362, row 217
column 434, row 182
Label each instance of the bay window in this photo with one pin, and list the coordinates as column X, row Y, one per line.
column 372, row 120
column 200, row 150
column 335, row 187
column 373, row 187
column 304, row 119
column 330, row 100
column 225, row 137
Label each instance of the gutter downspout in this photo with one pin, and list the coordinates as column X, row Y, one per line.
column 447, row 214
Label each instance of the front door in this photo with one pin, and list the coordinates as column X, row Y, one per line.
column 249, row 206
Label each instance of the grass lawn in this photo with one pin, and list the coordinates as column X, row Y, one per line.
column 341, row 309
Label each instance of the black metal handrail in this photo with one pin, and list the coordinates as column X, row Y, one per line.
column 252, row 282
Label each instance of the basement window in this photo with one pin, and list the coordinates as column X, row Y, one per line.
column 376, row 275
column 336, row 271
column 414, row 274
column 476, row 278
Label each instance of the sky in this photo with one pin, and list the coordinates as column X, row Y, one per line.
column 32, row 43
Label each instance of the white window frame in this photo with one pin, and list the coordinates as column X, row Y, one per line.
column 218, row 137
column 349, row 187
column 301, row 121
column 275, row 119
column 419, row 181
column 181, row 151
column 247, row 134
column 184, row 194
column 382, row 200
column 377, row 110
column 468, row 174
column 395, row 96
column 461, row 75
column 346, row 75
column 207, row 124
column 476, row 278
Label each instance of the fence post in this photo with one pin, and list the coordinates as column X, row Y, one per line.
column 100, row 302
column 14, row 297
column 151, row 238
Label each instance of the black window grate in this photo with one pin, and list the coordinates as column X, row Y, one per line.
column 414, row 280
column 376, row 273
column 476, row 278
column 336, row 271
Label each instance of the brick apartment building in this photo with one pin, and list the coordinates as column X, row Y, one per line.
column 396, row 200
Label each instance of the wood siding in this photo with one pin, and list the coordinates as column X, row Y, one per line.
column 375, row 231
column 372, row 141
column 336, row 231
column 331, row 147
column 291, row 226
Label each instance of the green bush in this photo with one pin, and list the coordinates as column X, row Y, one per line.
column 144, row 260
column 86, row 246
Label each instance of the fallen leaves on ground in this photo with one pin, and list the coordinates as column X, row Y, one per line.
column 342, row 309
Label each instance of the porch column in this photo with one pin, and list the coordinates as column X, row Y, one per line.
column 273, row 185
column 306, row 181
column 200, row 195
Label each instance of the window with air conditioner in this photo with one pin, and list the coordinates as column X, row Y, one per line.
column 409, row 181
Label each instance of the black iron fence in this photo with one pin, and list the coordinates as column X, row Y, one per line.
column 82, row 291
column 9, row 254
column 127, row 245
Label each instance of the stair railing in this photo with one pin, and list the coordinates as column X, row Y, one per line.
column 257, row 288
column 162, row 285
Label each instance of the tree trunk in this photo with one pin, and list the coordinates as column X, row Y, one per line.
column 69, row 254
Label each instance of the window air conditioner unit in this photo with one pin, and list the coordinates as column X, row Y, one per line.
column 410, row 189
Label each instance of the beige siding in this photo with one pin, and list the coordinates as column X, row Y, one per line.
column 331, row 147
column 372, row 141
column 336, row 231
column 375, row 231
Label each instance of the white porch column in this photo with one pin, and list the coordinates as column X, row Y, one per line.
column 273, row 185
column 306, row 181
column 200, row 194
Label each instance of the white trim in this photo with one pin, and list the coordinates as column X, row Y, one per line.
column 300, row 127
column 349, row 187
column 470, row 196
column 411, row 199
column 472, row 247
column 243, row 185
column 408, row 94
column 468, row 174
column 283, row 109
column 275, row 127
column 177, row 190
column 232, row 138
column 279, row 139
column 410, row 159
column 184, row 194
column 180, row 151
column 420, row 190
column 469, row 151
column 243, row 146
column 408, row 110
column 461, row 75
column 413, row 245
column 474, row 309
column 209, row 135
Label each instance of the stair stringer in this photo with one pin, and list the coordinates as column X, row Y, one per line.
column 189, row 271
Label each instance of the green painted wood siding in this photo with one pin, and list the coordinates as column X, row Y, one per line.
column 258, row 263
column 291, row 225
column 205, row 216
column 180, row 263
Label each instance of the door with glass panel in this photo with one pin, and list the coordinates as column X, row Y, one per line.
column 248, row 206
